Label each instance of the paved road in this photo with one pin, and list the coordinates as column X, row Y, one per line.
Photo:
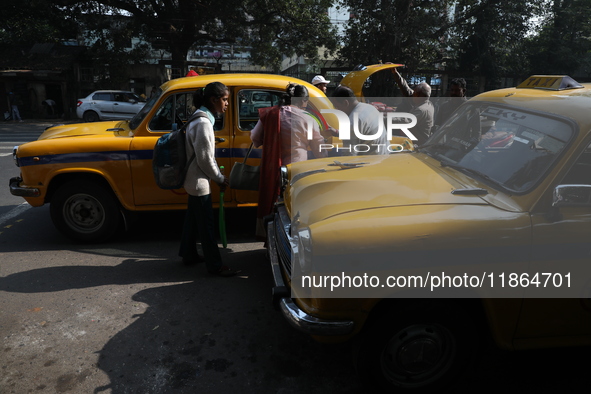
column 12, row 134
column 127, row 317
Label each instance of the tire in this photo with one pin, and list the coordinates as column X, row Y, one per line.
column 91, row 116
column 85, row 211
column 420, row 348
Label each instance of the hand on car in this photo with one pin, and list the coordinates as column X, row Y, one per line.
column 396, row 73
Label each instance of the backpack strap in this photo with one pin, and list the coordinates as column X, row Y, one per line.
column 196, row 114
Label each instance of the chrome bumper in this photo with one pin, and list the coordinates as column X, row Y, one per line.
column 294, row 315
column 17, row 190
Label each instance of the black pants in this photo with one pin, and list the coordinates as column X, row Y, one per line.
column 199, row 220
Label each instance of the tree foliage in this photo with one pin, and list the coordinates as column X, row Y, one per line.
column 563, row 43
column 288, row 27
column 271, row 27
column 490, row 42
column 481, row 36
column 401, row 31
column 490, row 38
column 26, row 22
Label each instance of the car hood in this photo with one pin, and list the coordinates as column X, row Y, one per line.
column 320, row 189
column 106, row 129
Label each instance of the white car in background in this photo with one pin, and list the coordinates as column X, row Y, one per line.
column 108, row 105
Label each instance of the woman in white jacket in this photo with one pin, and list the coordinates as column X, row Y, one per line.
column 199, row 219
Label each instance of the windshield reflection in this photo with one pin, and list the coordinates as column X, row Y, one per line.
column 507, row 147
column 139, row 117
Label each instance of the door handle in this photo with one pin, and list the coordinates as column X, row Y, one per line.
column 220, row 139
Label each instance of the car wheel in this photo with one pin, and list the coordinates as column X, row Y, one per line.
column 84, row 211
column 417, row 349
column 91, row 116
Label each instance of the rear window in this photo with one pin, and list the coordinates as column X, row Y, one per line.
column 102, row 96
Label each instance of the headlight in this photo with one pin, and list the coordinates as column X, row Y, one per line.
column 284, row 179
column 14, row 155
column 303, row 252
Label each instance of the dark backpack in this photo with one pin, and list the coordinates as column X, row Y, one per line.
column 169, row 162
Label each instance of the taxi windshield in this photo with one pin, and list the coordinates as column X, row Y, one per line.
column 139, row 117
column 508, row 147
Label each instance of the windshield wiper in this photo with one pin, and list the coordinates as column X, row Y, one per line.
column 421, row 147
column 468, row 170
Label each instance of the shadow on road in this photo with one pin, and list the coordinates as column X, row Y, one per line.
column 130, row 271
column 220, row 335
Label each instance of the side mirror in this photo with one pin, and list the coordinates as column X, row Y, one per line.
column 572, row 196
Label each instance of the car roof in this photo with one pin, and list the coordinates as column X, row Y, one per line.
column 251, row 81
column 111, row 91
column 565, row 102
column 570, row 100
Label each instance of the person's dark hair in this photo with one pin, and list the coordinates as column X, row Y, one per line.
column 213, row 89
column 294, row 90
column 343, row 91
column 461, row 82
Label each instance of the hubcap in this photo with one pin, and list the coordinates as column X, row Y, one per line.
column 84, row 213
column 418, row 355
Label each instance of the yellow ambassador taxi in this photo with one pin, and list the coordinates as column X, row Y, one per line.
column 95, row 174
column 483, row 231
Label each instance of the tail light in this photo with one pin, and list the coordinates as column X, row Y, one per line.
column 79, row 103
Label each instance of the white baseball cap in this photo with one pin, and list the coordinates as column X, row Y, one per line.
column 319, row 79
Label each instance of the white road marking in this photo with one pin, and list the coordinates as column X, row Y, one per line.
column 14, row 212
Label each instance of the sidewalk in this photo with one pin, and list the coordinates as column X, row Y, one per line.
column 44, row 121
column 27, row 124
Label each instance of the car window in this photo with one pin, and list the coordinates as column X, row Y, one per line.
column 250, row 101
column 131, row 98
column 139, row 117
column 580, row 172
column 177, row 108
column 102, row 96
column 506, row 146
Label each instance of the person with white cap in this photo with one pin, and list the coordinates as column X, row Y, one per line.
column 320, row 82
